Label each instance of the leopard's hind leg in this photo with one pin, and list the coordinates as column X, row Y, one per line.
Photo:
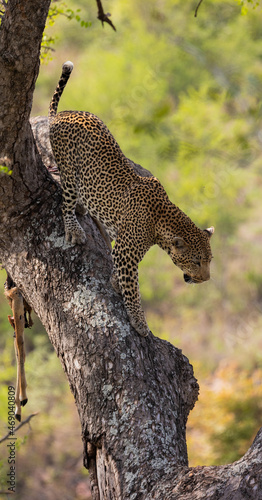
column 74, row 233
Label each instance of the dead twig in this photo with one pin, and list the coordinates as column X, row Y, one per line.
column 197, row 7
column 11, row 433
column 104, row 18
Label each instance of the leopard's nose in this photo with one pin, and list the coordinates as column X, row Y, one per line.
column 206, row 275
column 188, row 279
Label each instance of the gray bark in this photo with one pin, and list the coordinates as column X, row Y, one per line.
column 133, row 394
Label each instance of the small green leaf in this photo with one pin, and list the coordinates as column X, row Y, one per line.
column 5, row 170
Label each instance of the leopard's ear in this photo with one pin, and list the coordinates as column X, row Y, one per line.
column 210, row 231
column 180, row 245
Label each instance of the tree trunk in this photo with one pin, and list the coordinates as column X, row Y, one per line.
column 133, row 394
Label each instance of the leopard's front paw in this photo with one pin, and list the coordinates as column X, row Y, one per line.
column 76, row 236
column 81, row 209
column 140, row 327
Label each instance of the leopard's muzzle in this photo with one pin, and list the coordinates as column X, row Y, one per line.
column 188, row 279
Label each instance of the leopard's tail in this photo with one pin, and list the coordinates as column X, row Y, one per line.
column 67, row 69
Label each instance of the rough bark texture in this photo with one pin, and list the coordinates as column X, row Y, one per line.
column 133, row 394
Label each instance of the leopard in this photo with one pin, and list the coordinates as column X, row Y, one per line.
column 134, row 209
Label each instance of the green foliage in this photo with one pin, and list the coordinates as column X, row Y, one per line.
column 246, row 4
column 227, row 416
column 59, row 8
column 182, row 96
column 5, row 170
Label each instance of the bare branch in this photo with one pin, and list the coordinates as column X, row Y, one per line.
column 197, row 7
column 11, row 433
column 104, row 18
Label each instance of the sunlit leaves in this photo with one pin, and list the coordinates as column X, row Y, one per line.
column 247, row 4
column 227, row 415
column 59, row 8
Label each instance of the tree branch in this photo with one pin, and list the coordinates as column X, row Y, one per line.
column 104, row 18
column 197, row 7
column 11, row 433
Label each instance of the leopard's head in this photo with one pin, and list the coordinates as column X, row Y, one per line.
column 193, row 255
column 187, row 245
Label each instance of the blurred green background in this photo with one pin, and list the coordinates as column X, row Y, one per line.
column 182, row 96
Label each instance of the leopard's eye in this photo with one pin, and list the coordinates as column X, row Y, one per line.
column 197, row 262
